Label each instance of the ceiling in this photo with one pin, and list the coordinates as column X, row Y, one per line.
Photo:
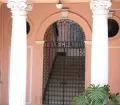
column 56, row 1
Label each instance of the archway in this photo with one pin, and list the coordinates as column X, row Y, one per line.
column 64, row 62
column 57, row 16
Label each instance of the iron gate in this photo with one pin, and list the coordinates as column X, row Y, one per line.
column 64, row 63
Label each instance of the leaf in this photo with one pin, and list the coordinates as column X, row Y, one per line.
column 115, row 99
column 96, row 94
column 80, row 100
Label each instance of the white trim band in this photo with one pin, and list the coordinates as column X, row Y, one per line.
column 39, row 42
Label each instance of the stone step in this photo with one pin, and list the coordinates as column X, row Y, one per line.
column 66, row 89
column 68, row 73
column 66, row 85
column 58, row 81
column 69, row 78
column 58, row 72
column 72, row 65
column 68, row 69
column 66, row 82
column 70, row 61
column 70, row 57
column 58, row 98
column 57, row 102
column 61, row 93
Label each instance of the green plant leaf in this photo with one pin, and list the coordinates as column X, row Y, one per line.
column 96, row 94
column 80, row 100
column 115, row 99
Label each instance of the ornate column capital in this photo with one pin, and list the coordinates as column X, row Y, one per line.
column 19, row 6
column 100, row 5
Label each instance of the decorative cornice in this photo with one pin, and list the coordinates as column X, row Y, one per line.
column 19, row 5
column 98, row 5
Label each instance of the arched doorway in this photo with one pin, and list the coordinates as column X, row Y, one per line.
column 64, row 62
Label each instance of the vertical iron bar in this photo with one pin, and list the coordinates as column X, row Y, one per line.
column 48, row 71
column 63, row 58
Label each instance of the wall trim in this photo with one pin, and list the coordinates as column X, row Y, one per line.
column 39, row 42
column 114, row 47
column 31, row 63
column 88, row 42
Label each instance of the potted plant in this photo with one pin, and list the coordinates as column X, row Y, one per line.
column 97, row 95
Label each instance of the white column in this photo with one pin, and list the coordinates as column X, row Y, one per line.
column 99, row 58
column 18, row 56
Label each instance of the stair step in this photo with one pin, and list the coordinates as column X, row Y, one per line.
column 61, row 93
column 70, row 57
column 69, row 61
column 67, row 80
column 68, row 73
column 66, row 85
column 56, row 103
column 67, row 77
column 68, row 70
column 58, row 98
column 60, row 74
column 67, row 89
column 78, row 62
column 72, row 64
column 58, row 81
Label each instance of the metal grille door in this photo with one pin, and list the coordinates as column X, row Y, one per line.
column 64, row 63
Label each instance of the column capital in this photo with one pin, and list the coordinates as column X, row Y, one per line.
column 19, row 6
column 100, row 6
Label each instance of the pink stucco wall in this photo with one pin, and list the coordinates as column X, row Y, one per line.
column 40, row 18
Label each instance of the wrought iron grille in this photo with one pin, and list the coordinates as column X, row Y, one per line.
column 64, row 63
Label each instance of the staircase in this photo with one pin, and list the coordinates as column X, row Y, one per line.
column 66, row 80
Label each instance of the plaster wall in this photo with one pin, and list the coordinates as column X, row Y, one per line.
column 40, row 18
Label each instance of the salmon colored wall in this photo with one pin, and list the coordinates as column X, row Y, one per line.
column 40, row 18
column 1, row 49
column 114, row 69
column 5, row 54
column 88, row 64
